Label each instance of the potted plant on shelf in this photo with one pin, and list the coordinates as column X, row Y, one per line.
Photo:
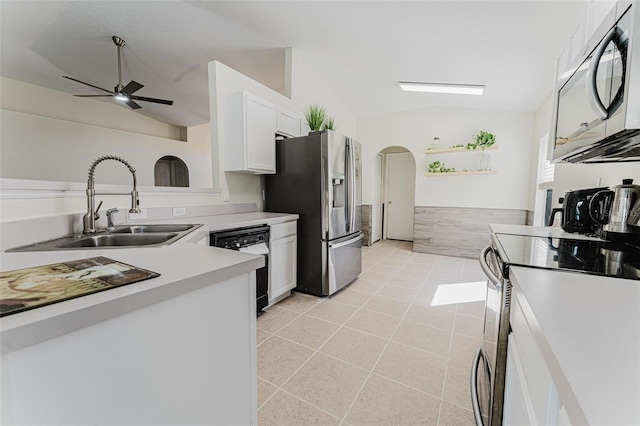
column 482, row 140
column 439, row 167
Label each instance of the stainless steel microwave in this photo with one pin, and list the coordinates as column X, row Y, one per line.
column 597, row 101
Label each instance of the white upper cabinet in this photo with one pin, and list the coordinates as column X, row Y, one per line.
column 249, row 142
column 596, row 12
column 585, row 26
column 288, row 123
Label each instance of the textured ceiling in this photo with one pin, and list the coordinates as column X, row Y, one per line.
column 363, row 48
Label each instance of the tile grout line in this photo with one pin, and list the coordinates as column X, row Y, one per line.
column 378, row 360
column 315, row 351
column 401, row 270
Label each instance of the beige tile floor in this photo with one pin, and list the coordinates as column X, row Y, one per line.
column 395, row 347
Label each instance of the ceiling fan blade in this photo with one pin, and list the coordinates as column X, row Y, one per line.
column 132, row 87
column 158, row 101
column 94, row 96
column 132, row 104
column 87, row 84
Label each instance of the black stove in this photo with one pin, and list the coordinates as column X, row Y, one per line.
column 606, row 258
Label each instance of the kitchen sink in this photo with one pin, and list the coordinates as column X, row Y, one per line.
column 121, row 240
column 152, row 235
column 145, row 229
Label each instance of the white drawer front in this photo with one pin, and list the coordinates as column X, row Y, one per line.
column 282, row 230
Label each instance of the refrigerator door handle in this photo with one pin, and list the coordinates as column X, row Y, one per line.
column 345, row 243
column 347, row 176
column 352, row 185
column 326, row 202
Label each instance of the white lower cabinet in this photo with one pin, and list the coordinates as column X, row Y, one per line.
column 283, row 257
column 517, row 406
column 530, row 395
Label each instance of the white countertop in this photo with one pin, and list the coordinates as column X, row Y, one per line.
column 588, row 330
column 183, row 266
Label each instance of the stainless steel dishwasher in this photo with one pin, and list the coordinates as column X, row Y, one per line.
column 254, row 240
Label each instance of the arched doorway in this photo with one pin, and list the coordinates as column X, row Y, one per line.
column 393, row 195
column 171, row 171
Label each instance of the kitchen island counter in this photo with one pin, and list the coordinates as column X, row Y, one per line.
column 176, row 349
column 186, row 265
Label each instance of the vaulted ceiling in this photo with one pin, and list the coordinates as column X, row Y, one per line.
column 362, row 47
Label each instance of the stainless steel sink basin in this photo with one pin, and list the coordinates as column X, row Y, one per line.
column 144, row 229
column 119, row 240
column 122, row 236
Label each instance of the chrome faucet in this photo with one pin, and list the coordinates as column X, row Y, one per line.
column 110, row 213
column 89, row 219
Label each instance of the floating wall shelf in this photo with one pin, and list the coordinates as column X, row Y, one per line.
column 461, row 149
column 468, row 172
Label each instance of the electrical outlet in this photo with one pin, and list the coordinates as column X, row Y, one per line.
column 179, row 211
column 138, row 216
column 225, row 196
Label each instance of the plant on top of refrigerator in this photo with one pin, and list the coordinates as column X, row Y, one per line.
column 329, row 124
column 315, row 115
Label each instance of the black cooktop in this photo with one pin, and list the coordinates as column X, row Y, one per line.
column 605, row 258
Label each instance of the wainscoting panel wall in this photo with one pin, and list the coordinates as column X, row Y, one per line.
column 529, row 217
column 455, row 231
column 366, row 224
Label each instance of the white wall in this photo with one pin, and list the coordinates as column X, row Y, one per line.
column 308, row 86
column 415, row 130
column 578, row 176
column 37, row 100
column 53, row 136
column 43, row 148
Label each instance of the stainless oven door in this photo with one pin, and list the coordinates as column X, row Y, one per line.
column 489, row 366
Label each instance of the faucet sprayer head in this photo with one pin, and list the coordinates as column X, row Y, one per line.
column 135, row 203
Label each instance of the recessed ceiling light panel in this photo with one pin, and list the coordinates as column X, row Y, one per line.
column 459, row 89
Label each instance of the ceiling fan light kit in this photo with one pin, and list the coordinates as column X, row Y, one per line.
column 458, row 89
column 122, row 93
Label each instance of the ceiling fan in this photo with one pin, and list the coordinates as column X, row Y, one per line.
column 122, row 93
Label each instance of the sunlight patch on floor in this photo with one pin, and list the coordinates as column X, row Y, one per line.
column 447, row 294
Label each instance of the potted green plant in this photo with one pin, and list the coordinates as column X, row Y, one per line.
column 329, row 124
column 439, row 167
column 315, row 115
column 482, row 140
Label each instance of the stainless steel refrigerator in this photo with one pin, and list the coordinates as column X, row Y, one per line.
column 319, row 177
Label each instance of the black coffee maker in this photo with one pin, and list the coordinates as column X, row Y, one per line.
column 574, row 212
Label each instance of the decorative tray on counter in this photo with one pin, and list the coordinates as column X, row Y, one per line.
column 29, row 288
